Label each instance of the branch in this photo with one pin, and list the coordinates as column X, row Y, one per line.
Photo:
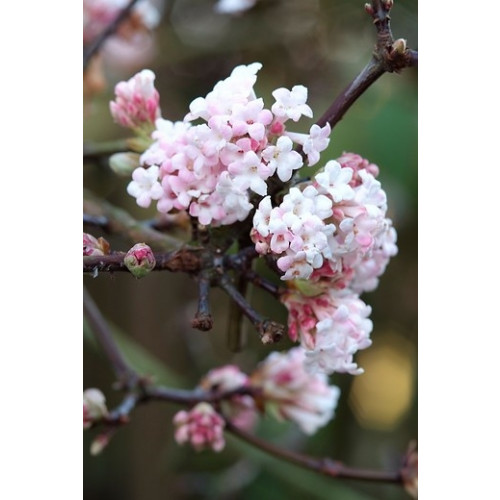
column 121, row 222
column 270, row 332
column 93, row 150
column 125, row 374
column 186, row 259
column 388, row 56
column 111, row 28
column 203, row 319
column 324, row 466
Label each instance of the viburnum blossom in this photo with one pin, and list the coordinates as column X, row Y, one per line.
column 240, row 408
column 329, row 228
column 331, row 327
column 94, row 406
column 202, row 427
column 291, row 393
column 220, row 159
column 137, row 102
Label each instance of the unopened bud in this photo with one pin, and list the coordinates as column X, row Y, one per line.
column 124, row 164
column 399, row 46
column 388, row 4
column 94, row 246
column 369, row 8
column 140, row 260
column 94, row 406
column 409, row 472
column 99, row 443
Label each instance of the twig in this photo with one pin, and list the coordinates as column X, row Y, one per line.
column 108, row 31
column 385, row 59
column 93, row 150
column 124, row 373
column 203, row 319
column 186, row 259
column 270, row 332
column 95, row 220
column 324, row 466
column 121, row 222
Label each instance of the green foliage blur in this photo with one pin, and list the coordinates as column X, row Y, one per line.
column 321, row 44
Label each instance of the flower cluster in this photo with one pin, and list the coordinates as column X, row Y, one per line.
column 211, row 169
column 94, row 246
column 291, row 393
column 333, row 232
column 202, row 427
column 239, row 408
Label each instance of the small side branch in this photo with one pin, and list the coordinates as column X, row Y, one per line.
column 203, row 319
column 110, row 29
column 124, row 373
column 121, row 222
column 269, row 331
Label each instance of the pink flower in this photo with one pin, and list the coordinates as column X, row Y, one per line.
column 137, row 102
column 202, row 427
column 290, row 393
column 145, row 186
column 94, row 246
column 357, row 163
column 291, row 104
column 318, row 140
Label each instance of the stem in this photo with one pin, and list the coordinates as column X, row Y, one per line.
column 269, row 331
column 102, row 332
column 185, row 259
column 203, row 319
column 110, row 29
column 370, row 73
column 121, row 222
column 324, row 466
column 92, row 150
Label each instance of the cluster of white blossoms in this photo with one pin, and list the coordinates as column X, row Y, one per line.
column 211, row 169
column 329, row 236
column 334, row 233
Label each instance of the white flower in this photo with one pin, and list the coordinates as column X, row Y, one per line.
column 317, row 141
column 282, row 159
column 145, row 186
column 291, row 104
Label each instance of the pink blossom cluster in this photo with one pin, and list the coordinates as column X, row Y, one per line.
column 292, row 393
column 211, row 169
column 98, row 14
column 137, row 102
column 331, row 327
column 239, row 409
column 334, row 233
column 202, row 427
column 94, row 246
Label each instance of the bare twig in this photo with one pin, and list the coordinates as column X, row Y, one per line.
column 203, row 319
column 121, row 222
column 324, row 466
column 125, row 374
column 108, row 31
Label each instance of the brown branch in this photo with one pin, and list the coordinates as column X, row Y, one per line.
column 108, row 31
column 269, row 331
column 325, row 466
column 187, row 259
column 388, row 56
column 121, row 222
column 124, row 373
column 203, row 319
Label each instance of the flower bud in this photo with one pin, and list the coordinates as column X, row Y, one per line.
column 202, row 427
column 140, row 260
column 94, row 406
column 399, row 46
column 124, row 164
column 99, row 443
column 94, row 246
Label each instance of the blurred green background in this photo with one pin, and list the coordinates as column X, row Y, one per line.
column 322, row 45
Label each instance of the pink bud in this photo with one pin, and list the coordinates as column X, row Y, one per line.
column 94, row 407
column 140, row 260
column 94, row 246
